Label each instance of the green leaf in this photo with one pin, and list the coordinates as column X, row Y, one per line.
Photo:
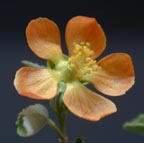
column 31, row 64
column 31, row 120
column 136, row 125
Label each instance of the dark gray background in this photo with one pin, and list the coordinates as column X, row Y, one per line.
column 123, row 23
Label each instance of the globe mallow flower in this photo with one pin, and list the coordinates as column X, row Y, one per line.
column 85, row 39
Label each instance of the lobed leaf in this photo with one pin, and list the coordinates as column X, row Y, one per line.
column 31, row 120
column 136, row 125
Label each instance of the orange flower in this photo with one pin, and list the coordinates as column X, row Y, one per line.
column 85, row 39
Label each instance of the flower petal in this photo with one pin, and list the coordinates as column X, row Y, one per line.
column 43, row 38
column 116, row 75
column 87, row 104
column 36, row 83
column 85, row 29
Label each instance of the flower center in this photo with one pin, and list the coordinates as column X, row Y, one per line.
column 81, row 61
column 65, row 71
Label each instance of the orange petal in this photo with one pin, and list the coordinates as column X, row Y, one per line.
column 87, row 104
column 36, row 83
column 43, row 38
column 85, row 29
column 116, row 75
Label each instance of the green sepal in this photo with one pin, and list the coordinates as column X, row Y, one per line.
column 136, row 125
column 31, row 64
column 31, row 120
column 57, row 102
column 84, row 82
column 50, row 65
column 65, row 57
column 59, row 97
column 61, row 87
column 79, row 140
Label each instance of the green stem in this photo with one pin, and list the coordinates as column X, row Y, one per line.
column 61, row 111
column 62, row 128
column 61, row 115
column 61, row 121
column 62, row 137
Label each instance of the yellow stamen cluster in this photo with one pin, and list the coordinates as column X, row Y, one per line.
column 81, row 60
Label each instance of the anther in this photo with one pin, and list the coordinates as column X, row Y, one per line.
column 81, row 61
